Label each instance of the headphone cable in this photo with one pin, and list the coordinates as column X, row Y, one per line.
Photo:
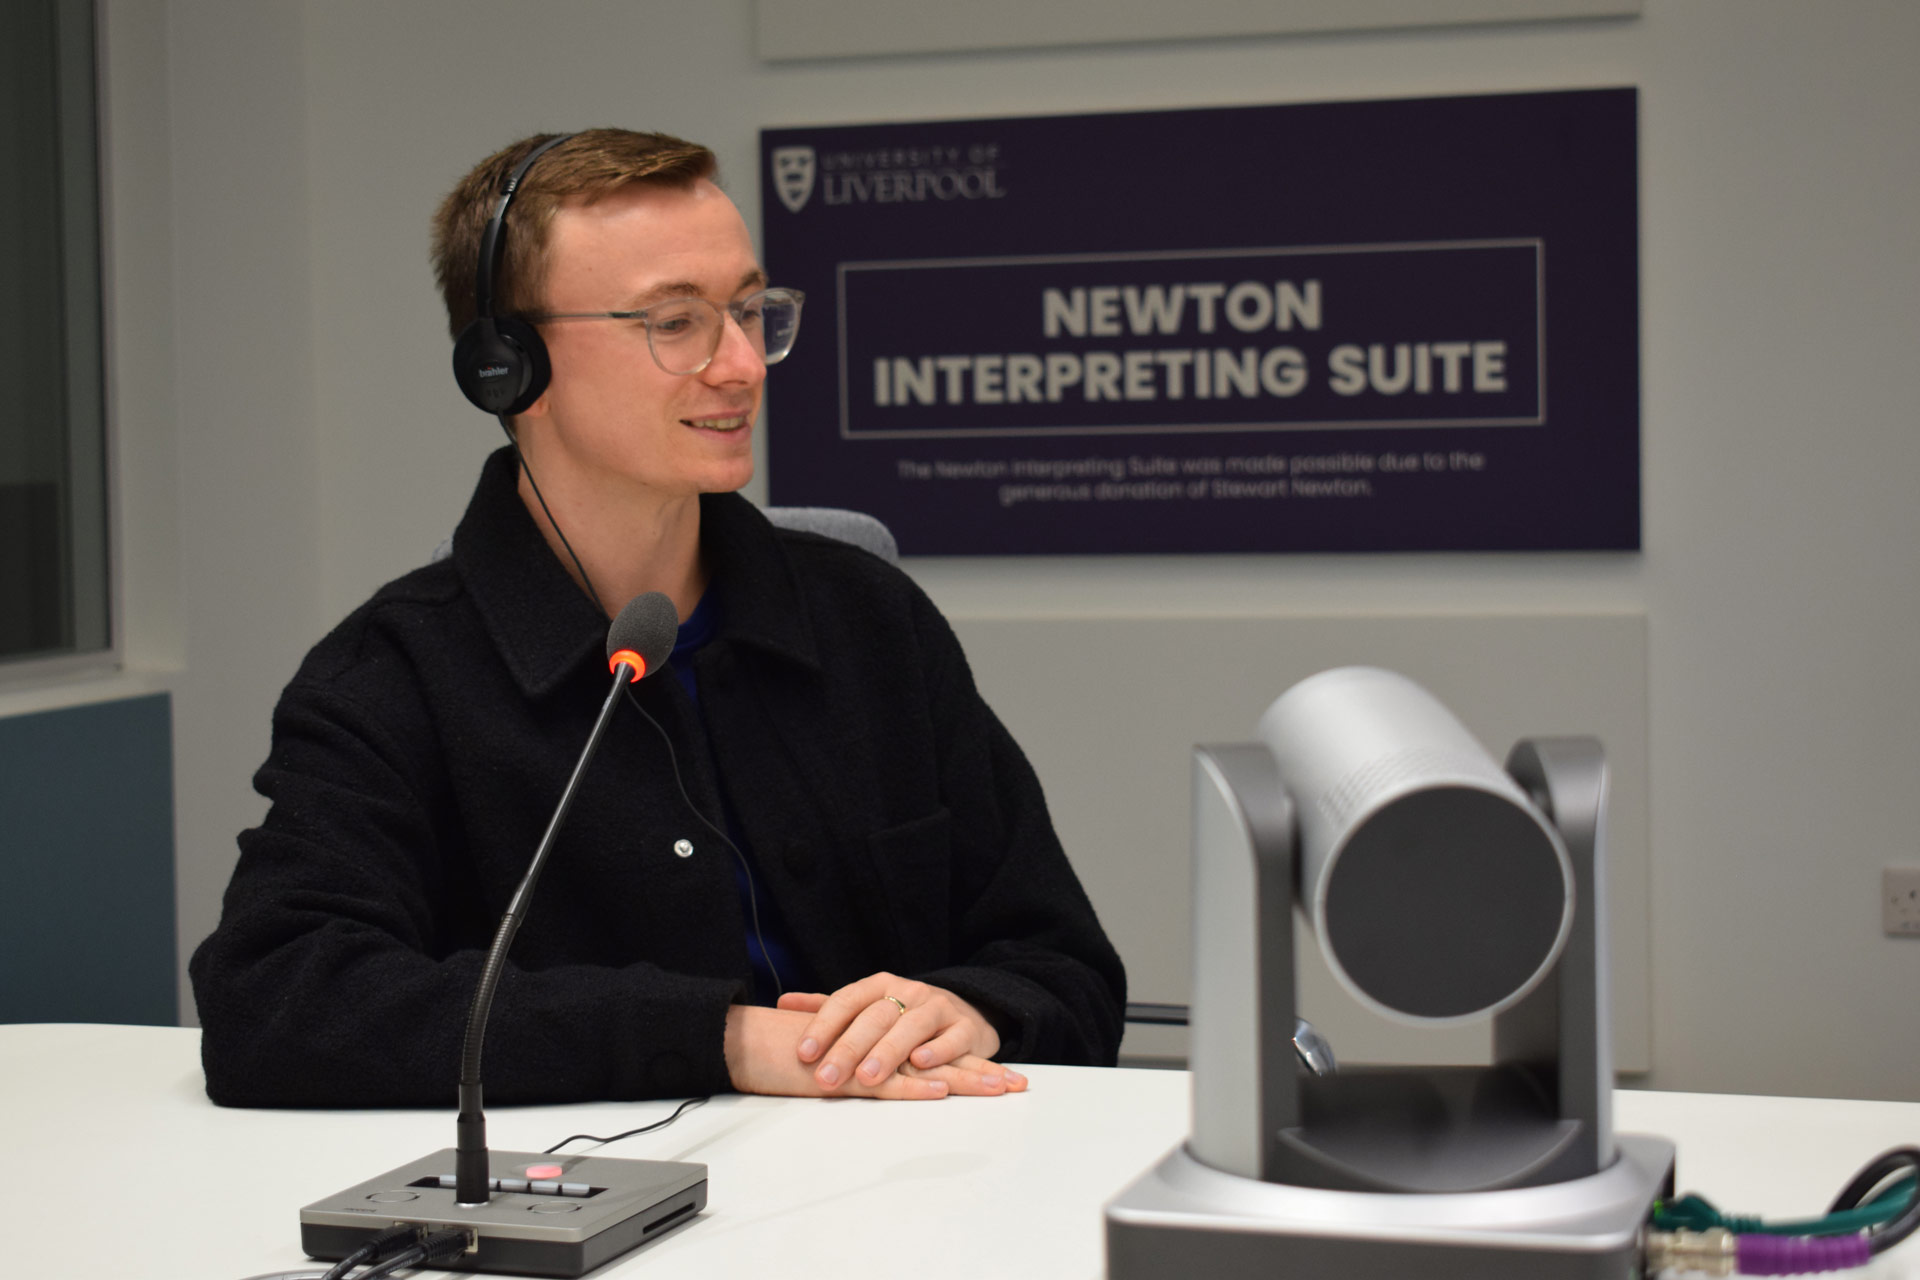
column 753, row 895
column 507, row 426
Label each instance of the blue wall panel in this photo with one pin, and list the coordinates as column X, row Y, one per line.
column 86, row 848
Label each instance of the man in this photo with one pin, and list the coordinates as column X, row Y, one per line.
column 856, row 830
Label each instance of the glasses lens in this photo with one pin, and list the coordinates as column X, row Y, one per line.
column 683, row 334
column 779, row 312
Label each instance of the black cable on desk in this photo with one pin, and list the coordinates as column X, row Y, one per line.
column 646, row 1128
column 375, row 1248
column 1901, row 1162
column 438, row 1247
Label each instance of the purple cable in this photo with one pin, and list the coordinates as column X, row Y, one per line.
column 1791, row 1255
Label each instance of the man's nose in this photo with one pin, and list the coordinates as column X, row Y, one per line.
column 737, row 358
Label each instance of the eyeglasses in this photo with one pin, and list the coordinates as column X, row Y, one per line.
column 684, row 334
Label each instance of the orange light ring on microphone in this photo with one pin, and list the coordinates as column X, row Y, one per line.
column 632, row 659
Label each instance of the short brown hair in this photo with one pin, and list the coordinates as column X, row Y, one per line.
column 586, row 166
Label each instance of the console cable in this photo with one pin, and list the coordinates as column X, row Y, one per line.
column 645, row 1128
column 1878, row 1208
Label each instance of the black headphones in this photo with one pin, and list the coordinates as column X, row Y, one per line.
column 501, row 362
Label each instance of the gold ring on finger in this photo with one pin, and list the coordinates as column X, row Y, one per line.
column 897, row 1003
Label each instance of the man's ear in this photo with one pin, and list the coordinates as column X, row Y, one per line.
column 538, row 411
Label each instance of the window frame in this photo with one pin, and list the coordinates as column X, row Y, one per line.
column 90, row 590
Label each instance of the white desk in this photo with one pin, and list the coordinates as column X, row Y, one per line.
column 122, row 1168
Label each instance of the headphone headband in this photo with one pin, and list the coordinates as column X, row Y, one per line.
column 501, row 362
column 491, row 238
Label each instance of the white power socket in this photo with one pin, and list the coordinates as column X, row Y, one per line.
column 1900, row 901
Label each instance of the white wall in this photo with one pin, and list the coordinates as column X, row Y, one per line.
column 317, row 445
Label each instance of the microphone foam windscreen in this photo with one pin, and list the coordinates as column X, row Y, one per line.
column 647, row 626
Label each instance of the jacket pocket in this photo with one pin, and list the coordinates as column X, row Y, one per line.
column 912, row 862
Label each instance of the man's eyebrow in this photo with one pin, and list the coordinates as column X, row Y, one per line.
column 661, row 292
column 755, row 278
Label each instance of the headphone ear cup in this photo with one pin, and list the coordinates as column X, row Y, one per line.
column 501, row 364
column 533, row 354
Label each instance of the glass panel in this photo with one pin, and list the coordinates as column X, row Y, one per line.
column 53, row 567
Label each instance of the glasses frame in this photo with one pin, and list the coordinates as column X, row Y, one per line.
column 736, row 310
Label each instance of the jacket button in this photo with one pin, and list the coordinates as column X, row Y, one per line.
column 684, row 848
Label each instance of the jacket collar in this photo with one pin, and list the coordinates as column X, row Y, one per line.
column 545, row 627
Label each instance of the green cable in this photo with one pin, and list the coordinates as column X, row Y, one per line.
column 1697, row 1213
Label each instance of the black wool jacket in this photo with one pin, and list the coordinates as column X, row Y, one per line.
column 420, row 751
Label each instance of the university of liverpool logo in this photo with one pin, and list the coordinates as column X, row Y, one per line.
column 793, row 176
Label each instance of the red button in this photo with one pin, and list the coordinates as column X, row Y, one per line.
column 544, row 1171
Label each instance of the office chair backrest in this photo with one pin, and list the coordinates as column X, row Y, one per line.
column 857, row 527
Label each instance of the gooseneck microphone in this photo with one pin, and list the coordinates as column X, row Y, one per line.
column 638, row 644
column 524, row 1212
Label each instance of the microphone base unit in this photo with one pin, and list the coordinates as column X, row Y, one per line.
column 549, row 1215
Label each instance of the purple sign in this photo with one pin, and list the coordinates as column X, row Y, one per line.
column 1363, row 326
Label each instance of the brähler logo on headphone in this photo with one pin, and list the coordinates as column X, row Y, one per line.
column 491, row 371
